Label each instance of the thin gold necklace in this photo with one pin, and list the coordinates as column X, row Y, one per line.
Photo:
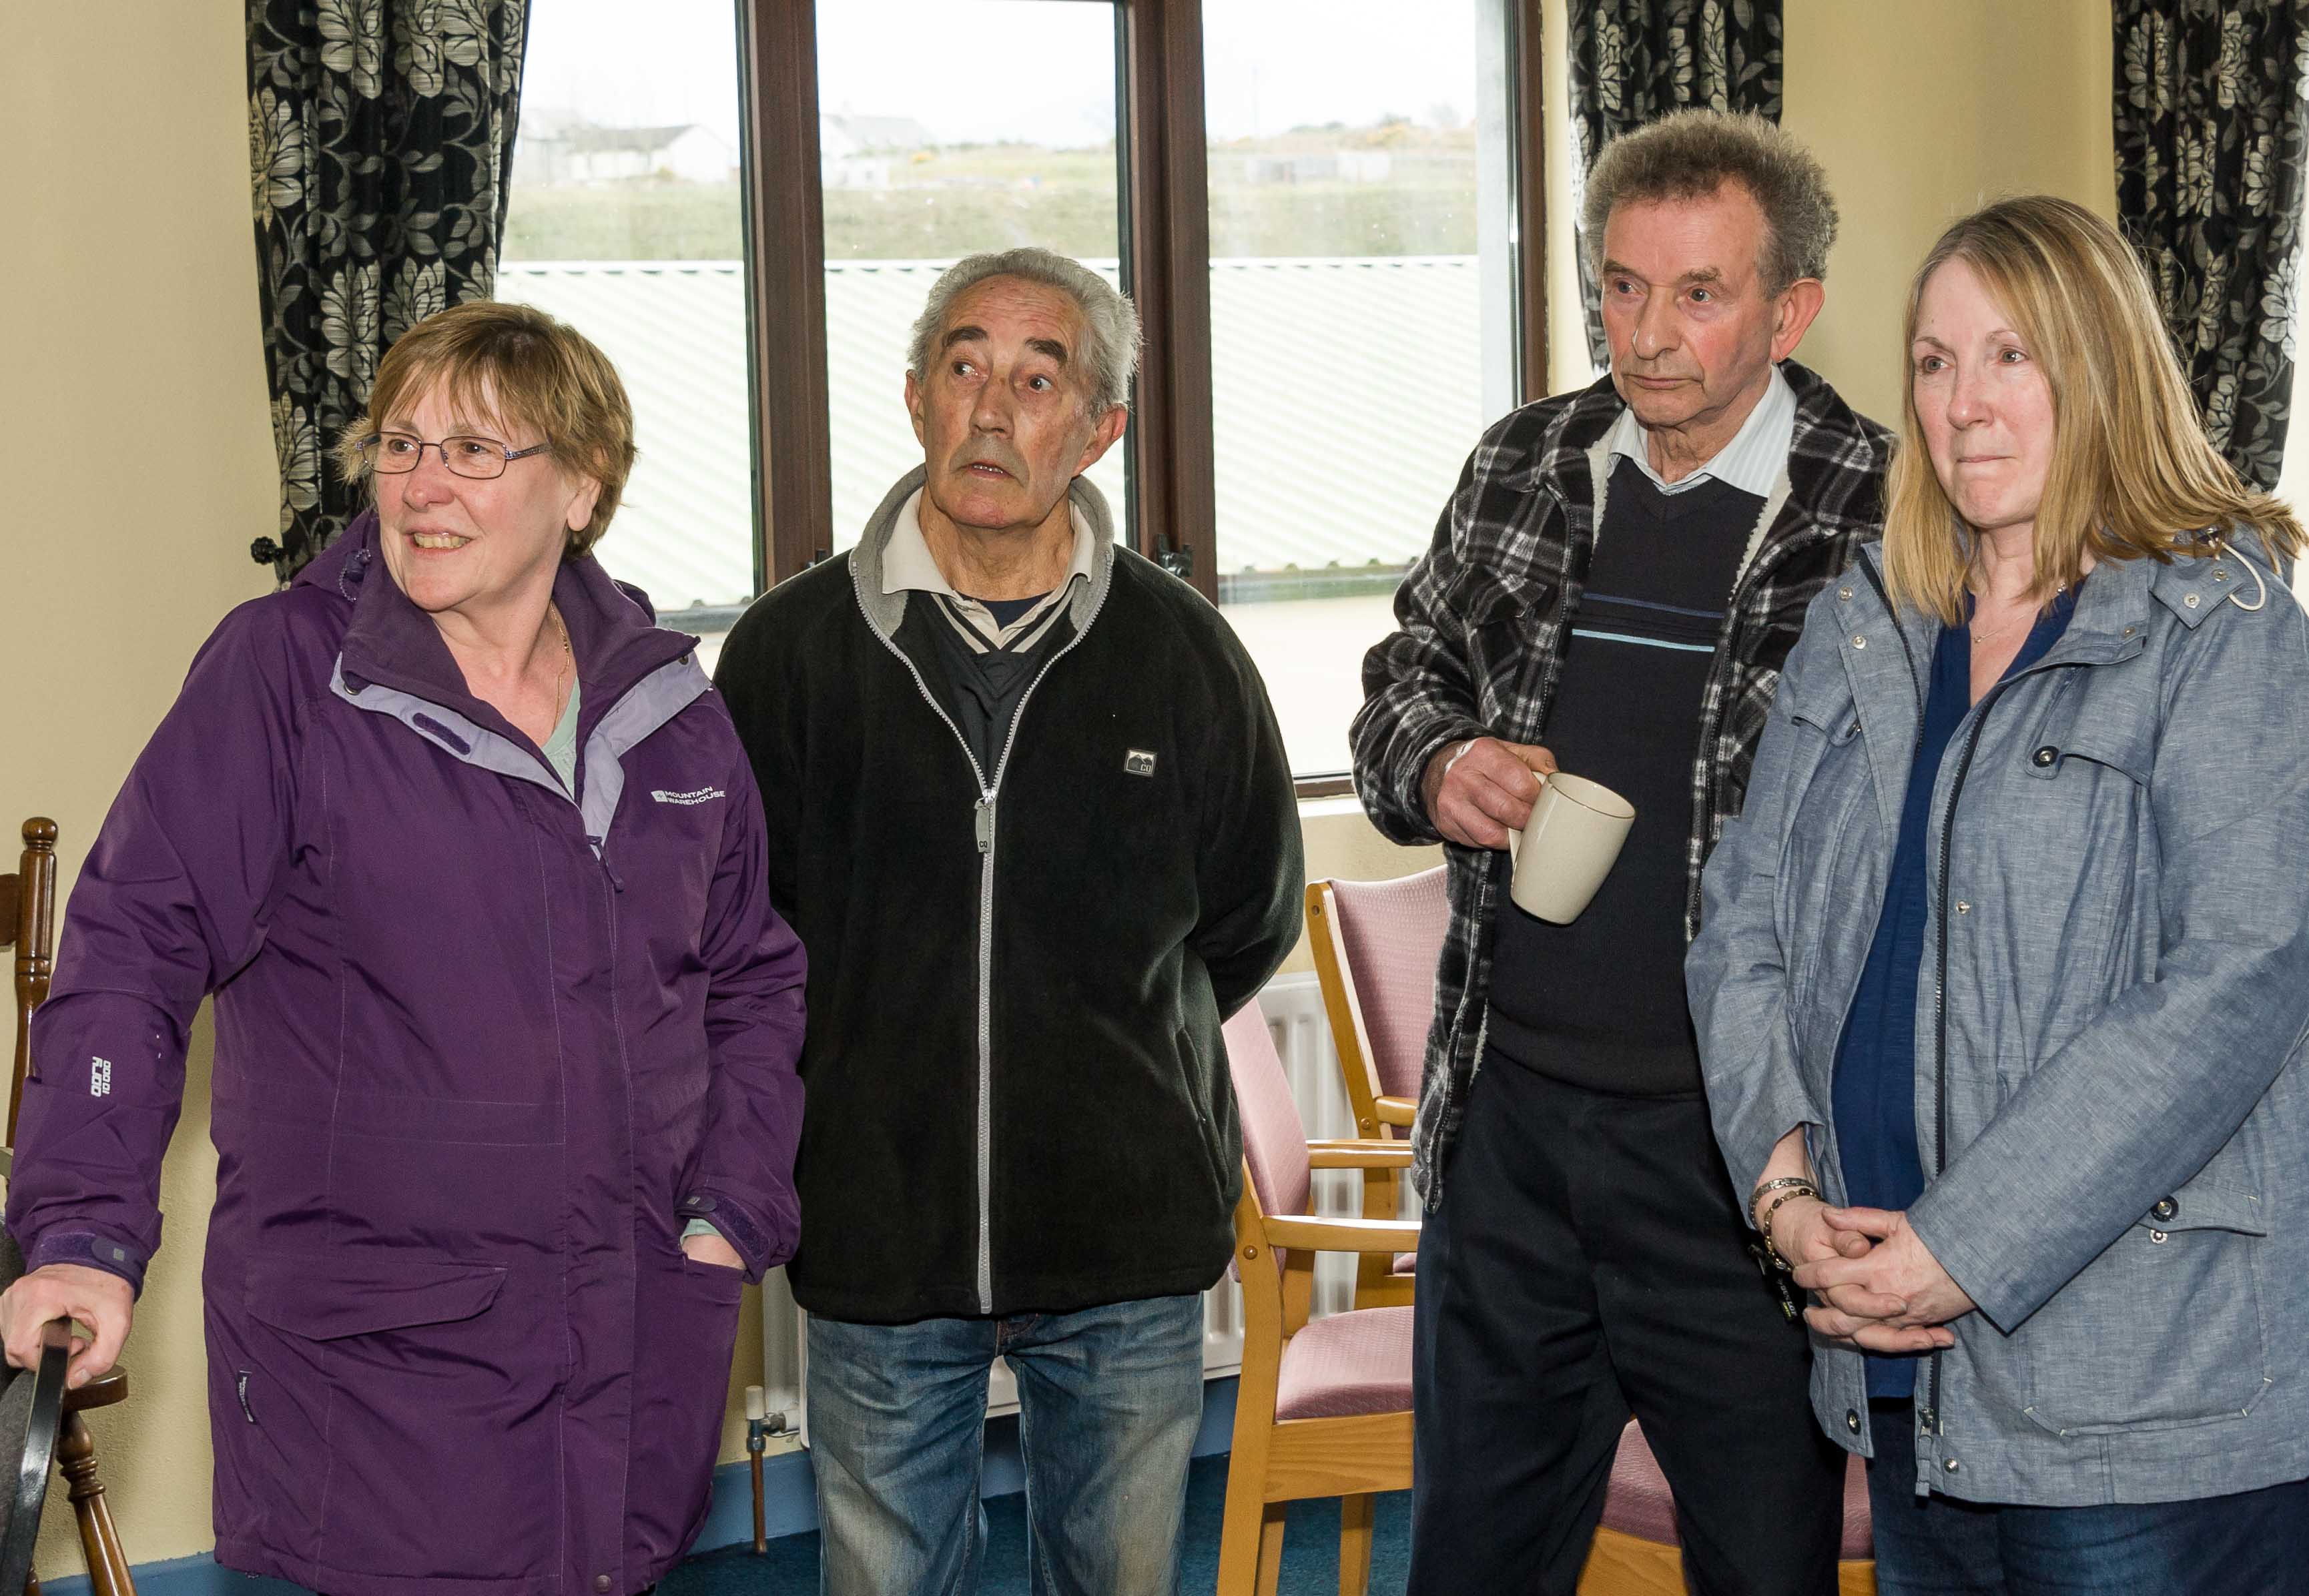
column 561, row 670
column 1981, row 639
column 2009, row 627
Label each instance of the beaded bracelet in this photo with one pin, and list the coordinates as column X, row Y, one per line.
column 1764, row 1187
column 1798, row 1189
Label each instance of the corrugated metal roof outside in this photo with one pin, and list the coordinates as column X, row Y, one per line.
column 1347, row 393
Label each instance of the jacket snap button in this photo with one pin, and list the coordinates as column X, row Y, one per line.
column 2190, row 600
column 1860, row 642
column 2045, row 755
column 2220, row 576
column 1962, row 907
column 1950, row 1465
column 1845, row 594
column 2159, row 1235
column 1852, row 1420
column 601, row 1582
column 2166, row 1208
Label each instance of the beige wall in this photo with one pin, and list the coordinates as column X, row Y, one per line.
column 130, row 313
column 139, row 465
column 1921, row 110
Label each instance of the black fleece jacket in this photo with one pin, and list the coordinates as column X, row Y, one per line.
column 1072, row 1140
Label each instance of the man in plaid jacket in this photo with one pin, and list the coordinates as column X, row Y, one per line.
column 1615, row 584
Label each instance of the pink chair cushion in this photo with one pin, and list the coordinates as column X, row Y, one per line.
column 1859, row 1535
column 1356, row 1362
column 1274, row 1138
column 1393, row 931
column 1637, row 1502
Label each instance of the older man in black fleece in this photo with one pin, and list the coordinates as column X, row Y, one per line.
column 1032, row 816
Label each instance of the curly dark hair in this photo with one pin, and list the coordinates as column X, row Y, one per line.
column 1689, row 154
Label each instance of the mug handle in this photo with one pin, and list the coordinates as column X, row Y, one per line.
column 1515, row 837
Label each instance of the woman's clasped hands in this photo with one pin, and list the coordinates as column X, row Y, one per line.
column 1874, row 1285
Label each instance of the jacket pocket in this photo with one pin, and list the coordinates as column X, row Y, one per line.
column 1829, row 708
column 682, row 1352
column 1498, row 616
column 325, row 1300
column 399, row 1410
column 1191, row 1078
column 2164, row 1329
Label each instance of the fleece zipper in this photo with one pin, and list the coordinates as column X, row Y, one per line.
column 983, row 824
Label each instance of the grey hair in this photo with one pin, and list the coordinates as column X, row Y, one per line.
column 1687, row 155
column 1113, row 321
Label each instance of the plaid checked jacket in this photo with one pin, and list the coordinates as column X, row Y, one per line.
column 1482, row 619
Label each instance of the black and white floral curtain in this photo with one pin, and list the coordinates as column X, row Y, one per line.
column 380, row 135
column 1634, row 61
column 2208, row 187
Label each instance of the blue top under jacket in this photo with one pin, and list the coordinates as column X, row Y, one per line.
column 1875, row 1083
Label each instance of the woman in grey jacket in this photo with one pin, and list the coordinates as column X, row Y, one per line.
column 2003, row 974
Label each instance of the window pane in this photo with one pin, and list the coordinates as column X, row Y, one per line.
column 927, row 155
column 1362, row 329
column 625, row 220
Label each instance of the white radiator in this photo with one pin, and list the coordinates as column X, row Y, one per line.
column 1294, row 1007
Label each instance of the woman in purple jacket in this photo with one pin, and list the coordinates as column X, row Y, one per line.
column 505, row 1100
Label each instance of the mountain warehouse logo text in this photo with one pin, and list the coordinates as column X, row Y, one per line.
column 703, row 795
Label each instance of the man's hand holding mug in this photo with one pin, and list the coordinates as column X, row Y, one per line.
column 1479, row 790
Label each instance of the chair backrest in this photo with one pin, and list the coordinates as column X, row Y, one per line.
column 1392, row 934
column 27, row 921
column 1273, row 1137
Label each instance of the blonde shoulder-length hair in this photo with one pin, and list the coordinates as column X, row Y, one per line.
column 2132, row 473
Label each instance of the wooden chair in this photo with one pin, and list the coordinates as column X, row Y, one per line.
column 1639, row 1553
column 1321, row 1409
column 28, row 921
column 1376, row 943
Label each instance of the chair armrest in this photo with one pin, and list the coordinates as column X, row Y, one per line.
column 1343, row 1235
column 1395, row 1110
column 1358, row 1155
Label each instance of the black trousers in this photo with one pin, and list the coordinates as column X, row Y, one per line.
column 1588, row 1263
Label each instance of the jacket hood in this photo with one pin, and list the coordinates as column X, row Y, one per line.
column 390, row 641
column 883, row 611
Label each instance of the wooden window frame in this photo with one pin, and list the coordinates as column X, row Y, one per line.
column 1165, row 216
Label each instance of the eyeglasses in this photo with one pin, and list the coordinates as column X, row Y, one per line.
column 396, row 453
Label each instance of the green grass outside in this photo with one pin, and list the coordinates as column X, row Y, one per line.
column 945, row 203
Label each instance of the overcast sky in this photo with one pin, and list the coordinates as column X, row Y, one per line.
column 1036, row 69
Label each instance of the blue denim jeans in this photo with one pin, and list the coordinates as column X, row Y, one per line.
column 2251, row 1543
column 1109, row 1400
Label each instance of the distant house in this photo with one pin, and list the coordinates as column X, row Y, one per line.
column 580, row 152
column 857, row 151
column 1333, row 166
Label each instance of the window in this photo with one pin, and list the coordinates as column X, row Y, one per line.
column 1362, row 319
column 920, row 165
column 1316, row 204
column 625, row 219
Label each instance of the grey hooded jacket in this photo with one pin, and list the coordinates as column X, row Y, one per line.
column 2111, row 1104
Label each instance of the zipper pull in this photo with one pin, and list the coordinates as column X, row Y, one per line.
column 985, row 825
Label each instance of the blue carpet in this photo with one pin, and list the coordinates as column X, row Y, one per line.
column 1310, row 1550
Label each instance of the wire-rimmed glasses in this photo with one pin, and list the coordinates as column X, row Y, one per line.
column 467, row 454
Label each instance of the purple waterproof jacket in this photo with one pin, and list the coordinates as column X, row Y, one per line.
column 482, row 1049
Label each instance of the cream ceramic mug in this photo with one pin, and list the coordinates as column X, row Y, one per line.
column 1567, row 846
